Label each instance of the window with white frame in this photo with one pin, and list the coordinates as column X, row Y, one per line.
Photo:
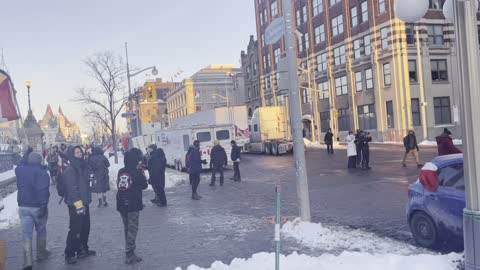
column 358, row 81
column 305, row 14
column 300, row 44
column 262, row 20
column 436, row 4
column 265, row 61
column 317, row 7
column 341, row 86
column 320, row 34
column 366, row 44
column 276, row 54
column 298, row 15
column 364, row 10
column 323, row 89
column 274, row 8
column 305, row 96
column 439, row 70
column 410, row 33
column 369, row 79
column 384, row 35
column 337, row 25
column 387, row 79
column 354, row 16
column 322, row 62
column 366, row 117
column 381, row 6
column 306, row 38
column 435, row 34
column 339, row 55
column 357, row 53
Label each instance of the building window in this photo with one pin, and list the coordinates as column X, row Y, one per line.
column 306, row 39
column 317, row 7
column 369, row 78
column 436, row 4
column 354, row 16
column 322, row 62
column 300, row 45
column 412, row 70
column 299, row 17
column 439, row 70
column 387, row 81
column 339, row 55
column 333, row 2
column 415, row 104
column 276, row 56
column 320, row 34
column 262, row 19
column 381, row 6
column 384, row 34
column 364, row 9
column 323, row 89
column 341, row 86
column 442, row 110
column 305, row 14
column 358, row 81
column 357, row 53
column 367, row 119
column 274, row 9
column 435, row 34
column 343, row 120
column 366, row 45
column 390, row 116
column 324, row 121
column 410, row 32
column 337, row 25
column 305, row 96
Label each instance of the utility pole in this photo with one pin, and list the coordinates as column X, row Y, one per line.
column 295, row 115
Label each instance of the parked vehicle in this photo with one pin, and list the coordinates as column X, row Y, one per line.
column 270, row 131
column 436, row 202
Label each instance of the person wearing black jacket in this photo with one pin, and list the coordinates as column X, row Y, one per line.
column 131, row 181
column 358, row 146
column 363, row 140
column 156, row 165
column 99, row 165
column 218, row 160
column 329, row 141
column 194, row 167
column 235, row 156
column 411, row 146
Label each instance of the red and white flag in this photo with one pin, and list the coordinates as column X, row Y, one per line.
column 8, row 110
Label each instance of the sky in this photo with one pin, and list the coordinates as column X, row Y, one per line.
column 45, row 42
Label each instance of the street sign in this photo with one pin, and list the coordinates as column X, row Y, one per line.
column 275, row 30
column 129, row 115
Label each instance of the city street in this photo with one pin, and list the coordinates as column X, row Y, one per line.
column 235, row 220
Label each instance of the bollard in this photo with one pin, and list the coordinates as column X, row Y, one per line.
column 277, row 228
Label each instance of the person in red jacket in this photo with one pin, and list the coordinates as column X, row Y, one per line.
column 445, row 144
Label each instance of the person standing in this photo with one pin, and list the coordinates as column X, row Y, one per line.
column 329, row 141
column 78, row 196
column 364, row 139
column 33, row 185
column 351, row 150
column 411, row 146
column 358, row 147
column 52, row 160
column 445, row 144
column 195, row 167
column 235, row 157
column 99, row 165
column 131, row 181
column 156, row 165
column 218, row 160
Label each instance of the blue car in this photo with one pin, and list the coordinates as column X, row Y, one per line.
column 436, row 202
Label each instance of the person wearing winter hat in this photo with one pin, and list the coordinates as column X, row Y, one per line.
column 156, row 165
column 445, row 144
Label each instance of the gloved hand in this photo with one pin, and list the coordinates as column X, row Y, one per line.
column 81, row 210
column 42, row 212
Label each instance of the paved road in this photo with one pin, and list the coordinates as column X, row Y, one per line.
column 233, row 220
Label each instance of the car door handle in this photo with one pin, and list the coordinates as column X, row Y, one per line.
column 432, row 197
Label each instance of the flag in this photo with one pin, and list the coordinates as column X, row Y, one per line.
column 197, row 94
column 8, row 111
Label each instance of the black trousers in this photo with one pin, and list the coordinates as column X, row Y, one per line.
column 195, row 182
column 215, row 170
column 352, row 162
column 79, row 231
column 160, row 194
column 365, row 157
column 236, row 171
column 329, row 147
column 359, row 154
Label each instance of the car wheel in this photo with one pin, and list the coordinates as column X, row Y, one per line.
column 424, row 230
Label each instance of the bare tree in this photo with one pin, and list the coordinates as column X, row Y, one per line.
column 107, row 101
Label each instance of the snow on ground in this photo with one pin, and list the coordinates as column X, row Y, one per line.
column 318, row 145
column 9, row 213
column 7, row 175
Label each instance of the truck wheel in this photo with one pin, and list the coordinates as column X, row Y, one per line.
column 275, row 149
column 268, row 148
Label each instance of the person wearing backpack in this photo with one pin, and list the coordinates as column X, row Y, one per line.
column 131, row 181
column 76, row 188
column 99, row 165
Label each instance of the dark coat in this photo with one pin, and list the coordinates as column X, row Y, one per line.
column 76, row 180
column 156, row 168
column 130, row 182
column 99, row 165
column 410, row 142
column 218, row 157
column 194, row 160
column 445, row 145
column 33, row 184
column 328, row 137
column 235, row 153
column 363, row 141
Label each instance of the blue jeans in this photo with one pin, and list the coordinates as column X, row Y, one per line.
column 29, row 219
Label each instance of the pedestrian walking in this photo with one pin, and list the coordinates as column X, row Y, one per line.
column 364, row 140
column 33, row 185
column 329, row 141
column 99, row 165
column 156, row 165
column 235, row 157
column 445, row 144
column 78, row 196
column 411, row 146
column 52, row 162
column 351, row 150
column 358, row 147
column 195, row 167
column 131, row 181
column 218, row 160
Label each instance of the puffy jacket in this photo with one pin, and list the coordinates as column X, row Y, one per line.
column 328, row 137
column 156, row 168
column 410, row 142
column 235, row 152
column 445, row 146
column 130, row 182
column 99, row 165
column 33, row 184
column 194, row 160
column 218, row 157
column 76, row 180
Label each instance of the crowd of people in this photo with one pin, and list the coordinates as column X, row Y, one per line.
column 78, row 171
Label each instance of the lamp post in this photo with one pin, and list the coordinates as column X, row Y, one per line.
column 464, row 15
column 28, row 83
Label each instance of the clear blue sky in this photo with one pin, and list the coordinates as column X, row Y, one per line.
column 45, row 41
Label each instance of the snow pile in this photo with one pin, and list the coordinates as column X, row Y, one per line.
column 317, row 145
column 434, row 143
column 7, row 175
column 345, row 261
column 9, row 213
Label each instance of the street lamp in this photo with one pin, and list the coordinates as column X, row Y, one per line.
column 466, row 38
column 28, row 83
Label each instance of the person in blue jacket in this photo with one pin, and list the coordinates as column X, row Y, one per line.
column 33, row 185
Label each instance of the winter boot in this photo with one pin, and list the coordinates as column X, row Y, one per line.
column 221, row 181
column 104, row 199
column 100, row 203
column 42, row 252
column 212, row 183
column 85, row 253
column 27, row 255
column 196, row 197
column 70, row 260
column 132, row 258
